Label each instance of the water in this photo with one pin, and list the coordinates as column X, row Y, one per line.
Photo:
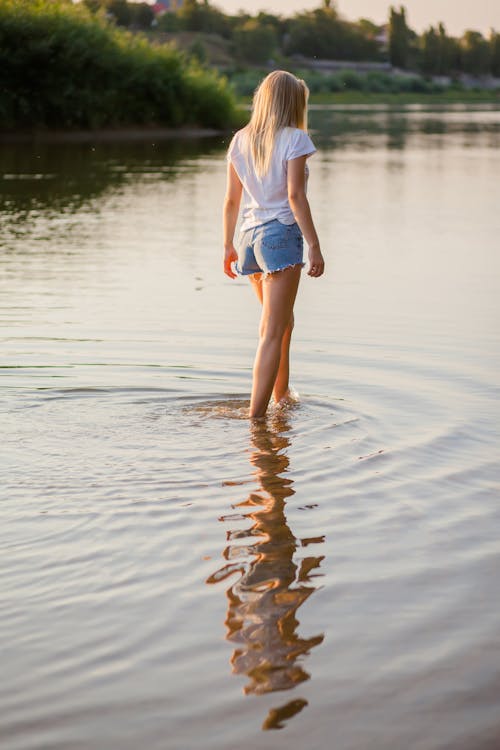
column 174, row 577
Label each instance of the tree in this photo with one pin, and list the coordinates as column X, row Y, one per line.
column 141, row 15
column 255, row 42
column 120, row 11
column 495, row 53
column 430, row 48
column 367, row 27
column 476, row 53
column 438, row 52
column 93, row 5
column 201, row 16
column 268, row 19
column 399, row 36
column 321, row 33
column 190, row 15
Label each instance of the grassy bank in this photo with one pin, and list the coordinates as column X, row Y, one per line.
column 375, row 87
column 62, row 67
column 366, row 99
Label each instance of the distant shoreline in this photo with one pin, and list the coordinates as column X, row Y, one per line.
column 145, row 132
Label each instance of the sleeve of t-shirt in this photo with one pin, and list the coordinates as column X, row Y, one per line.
column 230, row 150
column 300, row 145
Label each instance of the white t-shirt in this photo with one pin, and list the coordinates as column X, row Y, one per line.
column 266, row 198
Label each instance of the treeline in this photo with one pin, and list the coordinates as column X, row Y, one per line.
column 62, row 66
column 321, row 33
column 436, row 53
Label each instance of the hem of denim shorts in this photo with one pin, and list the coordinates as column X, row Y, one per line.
column 265, row 274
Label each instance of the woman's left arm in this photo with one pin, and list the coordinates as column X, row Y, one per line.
column 230, row 217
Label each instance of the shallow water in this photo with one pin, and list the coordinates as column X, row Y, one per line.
column 174, row 577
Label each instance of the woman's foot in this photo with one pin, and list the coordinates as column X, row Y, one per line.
column 289, row 398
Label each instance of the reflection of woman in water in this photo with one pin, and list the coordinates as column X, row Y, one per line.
column 261, row 617
column 267, row 166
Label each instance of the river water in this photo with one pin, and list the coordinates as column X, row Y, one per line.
column 175, row 577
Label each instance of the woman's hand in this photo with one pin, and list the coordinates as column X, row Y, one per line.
column 316, row 261
column 230, row 256
column 230, row 217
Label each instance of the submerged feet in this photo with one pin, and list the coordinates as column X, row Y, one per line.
column 289, row 399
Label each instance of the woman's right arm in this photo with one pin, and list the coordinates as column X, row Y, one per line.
column 296, row 183
column 230, row 217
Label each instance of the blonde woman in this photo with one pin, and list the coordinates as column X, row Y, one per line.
column 267, row 168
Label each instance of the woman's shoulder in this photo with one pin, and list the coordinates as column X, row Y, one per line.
column 297, row 142
column 240, row 134
column 292, row 132
column 295, row 135
column 237, row 139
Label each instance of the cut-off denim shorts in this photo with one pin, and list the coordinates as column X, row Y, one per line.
column 270, row 247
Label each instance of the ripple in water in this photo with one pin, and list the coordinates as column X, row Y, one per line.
column 344, row 545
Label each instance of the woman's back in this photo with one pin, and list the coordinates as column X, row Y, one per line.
column 265, row 197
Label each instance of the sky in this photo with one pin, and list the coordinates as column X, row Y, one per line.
column 457, row 15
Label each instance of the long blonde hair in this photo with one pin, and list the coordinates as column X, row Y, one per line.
column 279, row 102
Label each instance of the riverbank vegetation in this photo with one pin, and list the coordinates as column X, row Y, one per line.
column 321, row 34
column 364, row 85
column 63, row 66
column 113, row 63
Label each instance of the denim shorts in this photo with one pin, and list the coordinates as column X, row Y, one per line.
column 270, row 247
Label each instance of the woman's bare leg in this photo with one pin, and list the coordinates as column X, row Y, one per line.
column 256, row 281
column 281, row 384
column 278, row 296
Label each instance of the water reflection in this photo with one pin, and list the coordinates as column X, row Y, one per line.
column 262, row 604
column 392, row 128
column 68, row 175
column 57, row 191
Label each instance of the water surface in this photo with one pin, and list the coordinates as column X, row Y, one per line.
column 174, row 577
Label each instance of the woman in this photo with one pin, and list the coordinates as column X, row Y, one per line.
column 267, row 166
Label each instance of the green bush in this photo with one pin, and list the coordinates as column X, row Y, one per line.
column 254, row 42
column 414, row 84
column 316, row 82
column 61, row 66
column 244, row 83
column 378, row 82
column 203, row 90
column 352, row 80
column 334, row 83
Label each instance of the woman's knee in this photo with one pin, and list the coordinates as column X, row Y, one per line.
column 271, row 330
column 272, row 327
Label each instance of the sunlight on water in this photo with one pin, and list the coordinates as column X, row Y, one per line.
column 177, row 576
